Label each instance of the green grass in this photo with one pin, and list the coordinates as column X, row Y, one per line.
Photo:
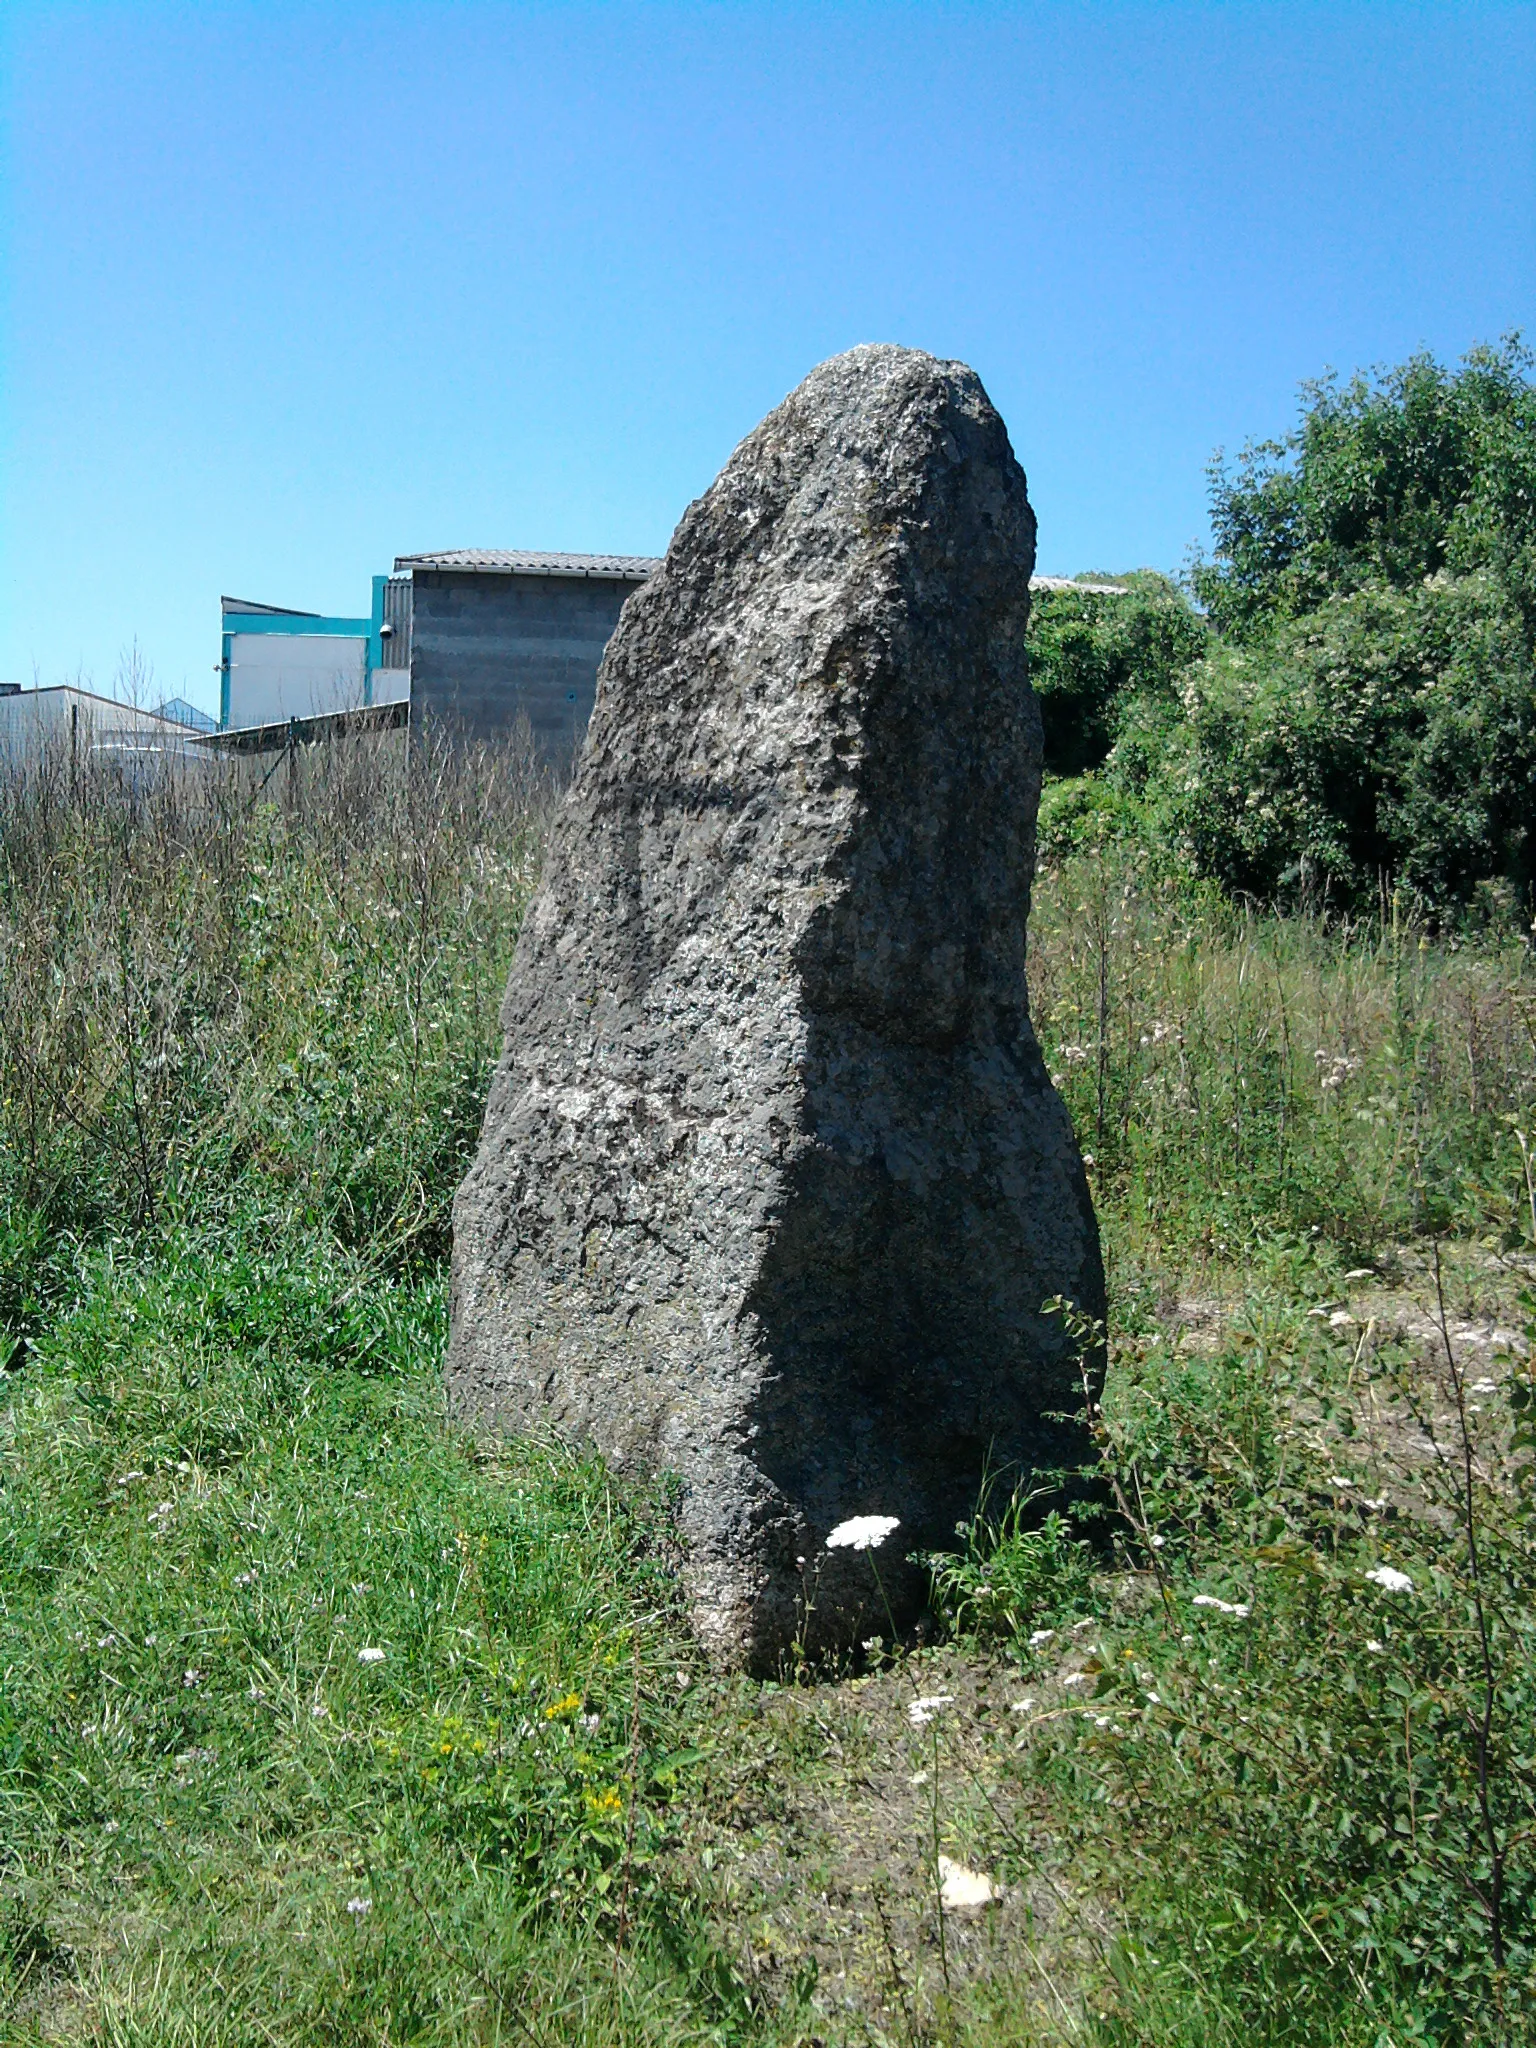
column 245, row 1046
column 278, row 1640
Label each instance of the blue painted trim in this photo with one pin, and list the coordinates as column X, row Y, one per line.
column 264, row 622
column 268, row 622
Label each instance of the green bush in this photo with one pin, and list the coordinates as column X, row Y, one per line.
column 1368, row 720
column 1355, row 713
column 1092, row 655
column 1385, row 482
column 1386, row 739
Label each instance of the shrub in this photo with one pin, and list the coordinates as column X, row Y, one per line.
column 1368, row 718
column 1091, row 655
column 1386, row 481
column 1387, row 738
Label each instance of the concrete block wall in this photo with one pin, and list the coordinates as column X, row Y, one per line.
column 487, row 646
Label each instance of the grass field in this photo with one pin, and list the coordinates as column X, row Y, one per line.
column 322, row 1723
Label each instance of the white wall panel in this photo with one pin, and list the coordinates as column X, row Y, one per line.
column 293, row 675
column 391, row 685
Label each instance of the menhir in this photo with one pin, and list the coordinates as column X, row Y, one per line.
column 773, row 1187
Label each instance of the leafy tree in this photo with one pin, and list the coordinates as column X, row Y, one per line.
column 1368, row 714
column 1385, row 481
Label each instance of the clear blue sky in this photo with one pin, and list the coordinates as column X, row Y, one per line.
column 290, row 289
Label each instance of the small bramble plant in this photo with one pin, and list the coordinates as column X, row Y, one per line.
column 1310, row 1730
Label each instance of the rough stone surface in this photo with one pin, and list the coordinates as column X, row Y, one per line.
column 773, row 1183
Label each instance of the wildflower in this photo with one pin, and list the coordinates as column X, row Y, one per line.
column 1075, row 1678
column 1157, row 1542
column 320, row 1711
column 371, row 1655
column 588, row 1723
column 929, row 1708
column 1375, row 1648
column 1021, row 1706
column 1377, row 1506
column 1340, row 1319
column 862, row 1532
column 1041, row 1637
column 245, row 1578
column 192, row 1676
column 1485, row 1387
column 1338, row 1479
column 605, row 1804
column 1390, row 1579
column 918, row 1778
column 1334, row 1068
column 569, row 1704
column 1240, row 1608
column 358, row 1907
column 961, row 1888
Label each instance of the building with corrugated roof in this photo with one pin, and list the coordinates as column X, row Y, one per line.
column 499, row 634
column 467, row 641
column 464, row 641
column 68, row 723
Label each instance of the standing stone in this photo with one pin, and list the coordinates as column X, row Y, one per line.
column 773, row 1183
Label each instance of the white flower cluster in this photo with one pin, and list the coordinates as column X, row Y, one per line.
column 1390, row 1579
column 1240, row 1608
column 1335, row 1068
column 862, row 1532
column 929, row 1708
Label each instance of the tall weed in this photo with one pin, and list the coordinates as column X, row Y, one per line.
column 1235, row 1076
